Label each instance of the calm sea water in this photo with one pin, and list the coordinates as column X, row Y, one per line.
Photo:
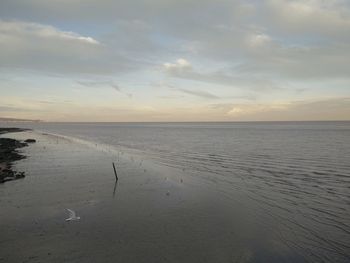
column 298, row 173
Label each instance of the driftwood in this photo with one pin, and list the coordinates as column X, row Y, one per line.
column 115, row 172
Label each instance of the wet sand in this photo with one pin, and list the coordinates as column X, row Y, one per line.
column 152, row 214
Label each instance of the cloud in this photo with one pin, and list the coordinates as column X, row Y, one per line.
column 181, row 64
column 281, row 38
column 171, row 97
column 18, row 28
column 134, row 38
column 109, row 83
column 298, row 63
column 316, row 17
column 235, row 111
column 45, row 48
column 311, row 42
column 104, row 83
column 6, row 110
column 326, row 109
column 254, row 54
column 11, row 109
column 258, row 52
column 183, row 69
column 199, row 93
column 258, row 40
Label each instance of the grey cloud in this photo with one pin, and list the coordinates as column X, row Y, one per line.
column 243, row 97
column 45, row 48
column 171, row 97
column 109, row 83
column 197, row 16
column 262, row 39
column 18, row 109
column 199, row 93
column 183, row 69
column 46, row 102
column 265, row 57
column 301, row 90
column 320, row 18
column 10, row 108
column 307, row 110
column 53, row 101
column 330, row 109
column 104, row 83
column 106, row 10
column 323, row 109
column 301, row 62
column 222, row 106
column 133, row 37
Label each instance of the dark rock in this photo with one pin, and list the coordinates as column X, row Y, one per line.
column 9, row 154
column 19, row 175
column 30, row 141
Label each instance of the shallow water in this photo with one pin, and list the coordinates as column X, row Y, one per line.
column 283, row 189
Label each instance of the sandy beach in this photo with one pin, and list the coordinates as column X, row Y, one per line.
column 154, row 213
column 150, row 215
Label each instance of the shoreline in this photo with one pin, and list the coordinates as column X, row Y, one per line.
column 154, row 212
column 9, row 154
column 143, row 216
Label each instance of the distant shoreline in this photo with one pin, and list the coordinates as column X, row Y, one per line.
column 4, row 120
column 17, row 120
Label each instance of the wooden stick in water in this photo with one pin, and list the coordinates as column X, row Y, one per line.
column 115, row 172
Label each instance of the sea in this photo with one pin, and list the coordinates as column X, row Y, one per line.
column 297, row 173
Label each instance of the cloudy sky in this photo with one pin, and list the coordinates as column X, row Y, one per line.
column 177, row 60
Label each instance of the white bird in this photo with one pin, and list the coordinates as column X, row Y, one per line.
column 72, row 215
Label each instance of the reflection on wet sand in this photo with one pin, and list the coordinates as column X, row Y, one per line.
column 115, row 188
column 215, row 208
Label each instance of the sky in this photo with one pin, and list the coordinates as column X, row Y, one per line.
column 175, row 60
